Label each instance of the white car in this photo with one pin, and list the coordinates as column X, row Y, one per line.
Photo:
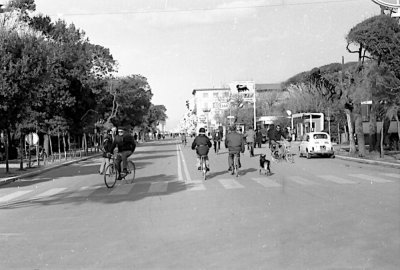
column 316, row 144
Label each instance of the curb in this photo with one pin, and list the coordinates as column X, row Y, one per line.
column 5, row 181
column 367, row 161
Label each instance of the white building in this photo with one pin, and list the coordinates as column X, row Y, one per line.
column 208, row 103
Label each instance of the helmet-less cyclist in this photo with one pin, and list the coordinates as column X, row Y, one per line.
column 126, row 145
column 202, row 145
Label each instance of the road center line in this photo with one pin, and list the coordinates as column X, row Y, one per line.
column 180, row 178
column 188, row 179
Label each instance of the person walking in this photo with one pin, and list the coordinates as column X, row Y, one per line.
column 259, row 138
column 250, row 137
column 217, row 137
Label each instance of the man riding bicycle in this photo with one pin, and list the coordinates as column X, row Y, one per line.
column 235, row 144
column 202, row 145
column 276, row 135
column 126, row 145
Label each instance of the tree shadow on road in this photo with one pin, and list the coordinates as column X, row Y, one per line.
column 143, row 187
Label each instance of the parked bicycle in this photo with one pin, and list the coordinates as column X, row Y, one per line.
column 111, row 173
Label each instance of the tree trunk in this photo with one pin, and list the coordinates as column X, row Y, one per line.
column 381, row 144
column 6, row 142
column 59, row 146
column 51, row 149
column 65, row 146
column 398, row 132
column 359, row 130
column 46, row 144
column 373, row 137
column 21, row 151
column 351, row 132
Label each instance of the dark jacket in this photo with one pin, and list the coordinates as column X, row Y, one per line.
column 125, row 142
column 202, row 145
column 259, row 137
column 234, row 142
column 107, row 145
column 217, row 136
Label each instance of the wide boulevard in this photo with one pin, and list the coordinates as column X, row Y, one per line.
column 318, row 213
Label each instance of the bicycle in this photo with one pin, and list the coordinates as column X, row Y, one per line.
column 203, row 166
column 111, row 174
column 288, row 155
column 236, row 165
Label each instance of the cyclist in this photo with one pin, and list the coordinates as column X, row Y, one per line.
column 250, row 137
column 126, row 145
column 235, row 143
column 107, row 151
column 276, row 135
column 202, row 144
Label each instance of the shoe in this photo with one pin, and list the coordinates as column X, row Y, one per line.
column 207, row 169
column 119, row 177
column 229, row 169
column 199, row 168
column 232, row 173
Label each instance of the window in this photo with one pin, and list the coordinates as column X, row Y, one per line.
column 215, row 95
column 320, row 136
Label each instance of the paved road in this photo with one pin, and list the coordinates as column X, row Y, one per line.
column 313, row 214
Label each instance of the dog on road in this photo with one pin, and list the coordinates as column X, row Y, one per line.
column 264, row 165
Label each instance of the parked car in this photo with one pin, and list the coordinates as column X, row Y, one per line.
column 316, row 144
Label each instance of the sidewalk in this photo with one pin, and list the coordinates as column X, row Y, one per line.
column 15, row 173
column 391, row 159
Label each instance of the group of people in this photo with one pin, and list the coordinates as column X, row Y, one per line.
column 125, row 144
column 235, row 143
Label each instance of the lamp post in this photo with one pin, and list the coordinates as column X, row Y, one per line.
column 289, row 112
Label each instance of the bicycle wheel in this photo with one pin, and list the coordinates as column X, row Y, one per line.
column 289, row 157
column 236, row 166
column 110, row 176
column 203, row 168
column 130, row 177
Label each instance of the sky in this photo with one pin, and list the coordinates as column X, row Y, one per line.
column 181, row 45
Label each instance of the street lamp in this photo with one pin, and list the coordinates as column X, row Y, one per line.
column 289, row 112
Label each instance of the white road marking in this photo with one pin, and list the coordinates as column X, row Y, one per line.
column 195, row 185
column 158, row 187
column 14, row 195
column 121, row 189
column 392, row 175
column 268, row 183
column 230, row 183
column 48, row 193
column 180, row 178
column 373, row 179
column 337, row 180
column 188, row 178
column 300, row 180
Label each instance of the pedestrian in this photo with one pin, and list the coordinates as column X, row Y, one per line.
column 250, row 137
column 259, row 138
column 217, row 140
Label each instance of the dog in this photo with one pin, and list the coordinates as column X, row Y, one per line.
column 265, row 165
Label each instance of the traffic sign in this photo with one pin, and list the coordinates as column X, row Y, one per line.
column 32, row 138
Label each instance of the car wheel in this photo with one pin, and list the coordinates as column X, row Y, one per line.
column 308, row 155
column 333, row 156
